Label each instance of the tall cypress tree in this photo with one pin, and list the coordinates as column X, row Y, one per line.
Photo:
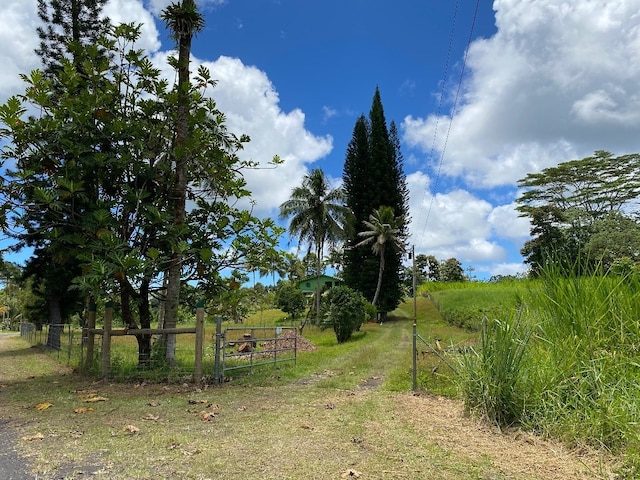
column 69, row 25
column 373, row 177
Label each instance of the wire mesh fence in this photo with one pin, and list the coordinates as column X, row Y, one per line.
column 224, row 351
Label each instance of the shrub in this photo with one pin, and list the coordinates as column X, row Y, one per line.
column 493, row 378
column 343, row 309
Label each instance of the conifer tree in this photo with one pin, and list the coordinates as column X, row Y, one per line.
column 69, row 25
column 373, row 177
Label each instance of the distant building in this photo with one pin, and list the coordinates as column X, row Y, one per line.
column 308, row 285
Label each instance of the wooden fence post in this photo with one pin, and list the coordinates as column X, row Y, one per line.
column 106, row 340
column 197, row 373
column 90, row 336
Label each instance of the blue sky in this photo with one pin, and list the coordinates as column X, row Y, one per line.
column 545, row 81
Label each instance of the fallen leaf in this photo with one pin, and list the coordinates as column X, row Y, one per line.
column 207, row 416
column 153, row 403
column 85, row 393
column 150, row 416
column 37, row 436
column 213, row 406
column 43, row 406
column 194, row 402
column 132, row 429
column 351, row 474
column 306, row 427
column 96, row 399
column 83, row 409
column 242, row 409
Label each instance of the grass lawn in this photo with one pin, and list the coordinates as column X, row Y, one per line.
column 345, row 411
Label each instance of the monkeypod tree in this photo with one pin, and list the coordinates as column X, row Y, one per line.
column 571, row 202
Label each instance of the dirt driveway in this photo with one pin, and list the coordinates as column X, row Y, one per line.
column 276, row 432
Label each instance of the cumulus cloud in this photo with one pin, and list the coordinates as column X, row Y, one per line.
column 18, row 22
column 244, row 93
column 452, row 224
column 557, row 81
column 128, row 11
column 251, row 104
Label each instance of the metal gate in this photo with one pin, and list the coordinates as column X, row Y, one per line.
column 238, row 348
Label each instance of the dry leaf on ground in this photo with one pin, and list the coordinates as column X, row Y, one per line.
column 351, row 474
column 207, row 416
column 132, row 429
column 43, row 406
column 150, row 416
column 30, row 438
column 83, row 409
column 96, row 399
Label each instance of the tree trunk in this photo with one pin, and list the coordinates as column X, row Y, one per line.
column 379, row 285
column 55, row 322
column 319, row 249
column 144, row 341
column 180, row 187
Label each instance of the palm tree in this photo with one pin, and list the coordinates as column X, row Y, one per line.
column 383, row 228
column 318, row 216
column 183, row 21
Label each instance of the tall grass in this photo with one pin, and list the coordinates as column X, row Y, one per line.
column 568, row 367
column 588, row 373
column 492, row 378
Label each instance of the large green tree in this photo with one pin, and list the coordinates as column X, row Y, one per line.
column 567, row 205
column 183, row 21
column 373, row 176
column 318, row 216
column 69, row 27
column 99, row 166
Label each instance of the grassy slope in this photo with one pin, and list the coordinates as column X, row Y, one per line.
column 338, row 410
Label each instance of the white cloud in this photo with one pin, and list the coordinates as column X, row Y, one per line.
column 452, row 224
column 251, row 105
column 557, row 81
column 18, row 22
column 132, row 11
column 507, row 223
column 245, row 93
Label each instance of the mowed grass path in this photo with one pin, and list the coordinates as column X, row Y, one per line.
column 336, row 415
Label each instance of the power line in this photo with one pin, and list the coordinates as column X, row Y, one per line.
column 455, row 103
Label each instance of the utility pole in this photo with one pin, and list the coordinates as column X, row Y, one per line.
column 415, row 318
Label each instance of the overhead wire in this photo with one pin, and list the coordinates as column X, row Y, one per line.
column 455, row 104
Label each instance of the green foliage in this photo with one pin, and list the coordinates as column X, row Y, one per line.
column 290, row 299
column 466, row 304
column 93, row 182
column 451, row 271
column 343, row 309
column 581, row 207
column 493, row 377
column 373, row 176
column 382, row 229
column 318, row 215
